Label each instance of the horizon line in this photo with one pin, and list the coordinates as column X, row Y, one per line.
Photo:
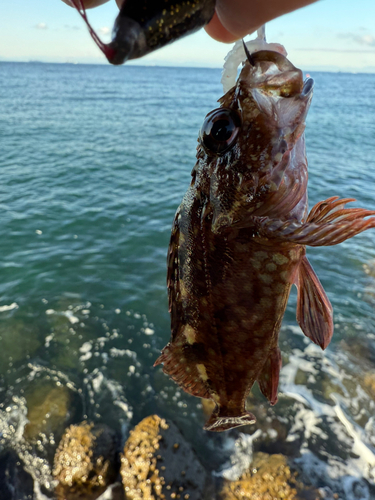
column 366, row 70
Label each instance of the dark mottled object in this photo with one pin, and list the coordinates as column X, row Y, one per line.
column 147, row 25
column 238, row 243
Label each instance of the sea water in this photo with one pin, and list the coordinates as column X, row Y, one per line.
column 94, row 161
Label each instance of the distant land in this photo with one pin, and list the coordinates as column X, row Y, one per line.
column 99, row 62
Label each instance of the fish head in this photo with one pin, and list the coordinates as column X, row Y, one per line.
column 251, row 149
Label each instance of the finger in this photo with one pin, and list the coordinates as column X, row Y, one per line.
column 241, row 17
column 217, row 31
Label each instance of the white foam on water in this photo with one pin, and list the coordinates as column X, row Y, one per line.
column 241, row 458
column 359, row 447
column 108, row 494
column 9, row 307
column 13, row 421
column 68, row 314
column 100, row 384
column 316, row 421
column 47, row 340
column 125, row 408
column 117, row 353
column 38, row 494
column 85, row 347
column 97, row 381
column 12, row 424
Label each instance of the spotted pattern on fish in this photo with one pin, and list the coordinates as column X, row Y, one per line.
column 239, row 241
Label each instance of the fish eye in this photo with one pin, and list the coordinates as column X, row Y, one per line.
column 220, row 130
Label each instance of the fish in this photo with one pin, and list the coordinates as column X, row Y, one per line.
column 143, row 26
column 238, row 243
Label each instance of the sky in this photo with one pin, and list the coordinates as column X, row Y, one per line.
column 330, row 35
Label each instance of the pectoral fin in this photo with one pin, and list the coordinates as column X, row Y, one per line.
column 328, row 223
column 314, row 310
column 268, row 379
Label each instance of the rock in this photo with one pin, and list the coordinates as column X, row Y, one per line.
column 361, row 348
column 85, row 462
column 48, row 410
column 15, row 482
column 19, row 339
column 159, row 464
column 268, row 478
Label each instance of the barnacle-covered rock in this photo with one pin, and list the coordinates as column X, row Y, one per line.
column 268, row 478
column 85, row 461
column 159, row 464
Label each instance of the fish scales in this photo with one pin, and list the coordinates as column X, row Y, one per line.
column 239, row 241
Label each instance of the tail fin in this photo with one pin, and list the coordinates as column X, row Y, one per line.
column 223, row 419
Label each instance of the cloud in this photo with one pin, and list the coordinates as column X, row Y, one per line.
column 367, row 40
column 41, row 26
column 104, row 30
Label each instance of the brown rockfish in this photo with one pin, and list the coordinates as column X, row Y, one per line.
column 239, row 241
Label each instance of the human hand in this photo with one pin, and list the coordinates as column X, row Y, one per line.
column 235, row 19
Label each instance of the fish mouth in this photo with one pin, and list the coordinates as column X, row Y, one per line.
column 273, row 74
column 277, row 87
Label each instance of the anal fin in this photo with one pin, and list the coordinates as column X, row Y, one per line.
column 268, row 380
column 314, row 310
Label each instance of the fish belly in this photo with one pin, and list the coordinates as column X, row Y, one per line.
column 228, row 295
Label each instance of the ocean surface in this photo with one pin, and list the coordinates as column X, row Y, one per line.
column 94, row 161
